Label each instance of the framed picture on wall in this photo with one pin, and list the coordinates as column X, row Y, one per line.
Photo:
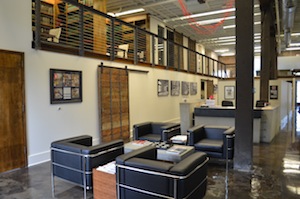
column 193, row 88
column 162, row 87
column 229, row 92
column 185, row 88
column 273, row 92
column 175, row 88
column 65, row 86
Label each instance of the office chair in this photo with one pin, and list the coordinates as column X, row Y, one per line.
column 55, row 34
column 227, row 103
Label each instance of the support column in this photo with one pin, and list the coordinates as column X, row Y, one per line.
column 243, row 150
column 265, row 51
column 99, row 27
column 273, row 48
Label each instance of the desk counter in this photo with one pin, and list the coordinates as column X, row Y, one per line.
column 264, row 123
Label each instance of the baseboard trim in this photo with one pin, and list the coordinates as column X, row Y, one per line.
column 38, row 158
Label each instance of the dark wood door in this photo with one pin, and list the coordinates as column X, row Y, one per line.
column 12, row 111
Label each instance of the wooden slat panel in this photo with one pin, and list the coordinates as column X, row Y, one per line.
column 114, row 103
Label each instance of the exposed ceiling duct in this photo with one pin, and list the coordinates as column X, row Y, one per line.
column 288, row 15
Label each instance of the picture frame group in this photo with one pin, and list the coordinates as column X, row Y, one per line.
column 177, row 87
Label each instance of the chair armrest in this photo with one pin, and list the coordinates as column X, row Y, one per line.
column 170, row 126
column 228, row 140
column 141, row 129
column 170, row 131
column 148, row 152
column 195, row 134
column 103, row 153
column 103, row 147
column 230, row 131
column 228, row 137
column 188, row 165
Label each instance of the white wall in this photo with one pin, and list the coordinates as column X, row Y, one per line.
column 45, row 123
column 284, row 63
column 144, row 102
column 288, row 62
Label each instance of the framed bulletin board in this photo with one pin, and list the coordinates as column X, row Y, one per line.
column 65, row 86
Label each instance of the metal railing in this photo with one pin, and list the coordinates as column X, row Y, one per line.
column 73, row 27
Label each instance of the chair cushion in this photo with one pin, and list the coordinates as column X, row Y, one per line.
column 209, row 145
column 151, row 137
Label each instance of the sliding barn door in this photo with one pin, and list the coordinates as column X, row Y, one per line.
column 12, row 111
column 113, row 103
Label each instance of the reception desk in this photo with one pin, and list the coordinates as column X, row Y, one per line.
column 265, row 120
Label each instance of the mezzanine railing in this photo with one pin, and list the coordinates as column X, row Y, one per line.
column 72, row 27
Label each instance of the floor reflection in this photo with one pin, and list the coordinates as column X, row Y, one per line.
column 275, row 174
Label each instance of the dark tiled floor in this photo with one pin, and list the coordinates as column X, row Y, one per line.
column 275, row 175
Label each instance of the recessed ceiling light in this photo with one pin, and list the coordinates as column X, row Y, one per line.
column 128, row 12
column 233, row 26
column 294, row 44
column 225, row 40
column 222, row 50
column 227, row 44
column 293, row 48
column 295, row 34
column 205, row 14
column 227, row 54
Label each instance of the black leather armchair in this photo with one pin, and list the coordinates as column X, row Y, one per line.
column 155, row 131
column 216, row 141
column 141, row 176
column 74, row 158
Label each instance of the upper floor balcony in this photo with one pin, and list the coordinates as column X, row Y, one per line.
column 68, row 26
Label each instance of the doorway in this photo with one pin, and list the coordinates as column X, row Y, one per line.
column 13, row 147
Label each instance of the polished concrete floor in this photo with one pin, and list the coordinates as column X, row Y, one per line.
column 275, row 175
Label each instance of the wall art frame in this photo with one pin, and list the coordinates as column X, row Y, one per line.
column 193, row 88
column 185, row 88
column 274, row 92
column 175, row 88
column 229, row 92
column 65, row 86
column 162, row 87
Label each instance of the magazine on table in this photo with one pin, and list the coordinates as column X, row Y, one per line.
column 179, row 139
column 140, row 142
column 176, row 149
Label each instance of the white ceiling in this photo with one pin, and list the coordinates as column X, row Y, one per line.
column 170, row 10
